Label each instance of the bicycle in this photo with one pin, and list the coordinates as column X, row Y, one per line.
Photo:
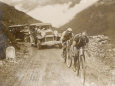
column 69, row 55
column 75, row 57
column 66, row 53
column 78, row 62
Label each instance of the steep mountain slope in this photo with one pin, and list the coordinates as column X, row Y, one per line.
column 9, row 15
column 97, row 19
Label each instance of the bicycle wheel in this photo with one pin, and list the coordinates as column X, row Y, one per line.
column 68, row 60
column 75, row 63
column 64, row 56
column 78, row 65
column 82, row 68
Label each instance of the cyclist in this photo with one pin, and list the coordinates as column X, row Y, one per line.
column 79, row 43
column 66, row 35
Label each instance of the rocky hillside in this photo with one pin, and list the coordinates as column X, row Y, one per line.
column 9, row 15
column 100, row 61
column 97, row 19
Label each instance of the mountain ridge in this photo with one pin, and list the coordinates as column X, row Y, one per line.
column 97, row 19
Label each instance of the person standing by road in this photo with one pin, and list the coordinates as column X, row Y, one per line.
column 43, row 34
column 55, row 35
column 39, row 36
column 35, row 35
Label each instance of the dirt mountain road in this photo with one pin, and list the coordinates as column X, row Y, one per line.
column 45, row 68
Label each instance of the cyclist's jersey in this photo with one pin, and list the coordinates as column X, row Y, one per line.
column 66, row 36
column 81, row 41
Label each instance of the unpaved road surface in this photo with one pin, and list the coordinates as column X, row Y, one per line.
column 44, row 68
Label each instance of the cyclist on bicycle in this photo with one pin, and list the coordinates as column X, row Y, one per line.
column 66, row 35
column 79, row 43
column 80, row 40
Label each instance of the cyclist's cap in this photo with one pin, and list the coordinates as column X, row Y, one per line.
column 69, row 29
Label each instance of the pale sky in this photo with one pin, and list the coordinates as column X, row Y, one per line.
column 55, row 12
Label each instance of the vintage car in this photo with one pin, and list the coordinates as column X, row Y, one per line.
column 20, row 32
column 48, row 40
column 47, row 35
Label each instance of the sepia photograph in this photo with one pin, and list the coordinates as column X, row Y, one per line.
column 57, row 42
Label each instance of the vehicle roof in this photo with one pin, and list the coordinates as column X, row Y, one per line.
column 40, row 24
column 17, row 25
